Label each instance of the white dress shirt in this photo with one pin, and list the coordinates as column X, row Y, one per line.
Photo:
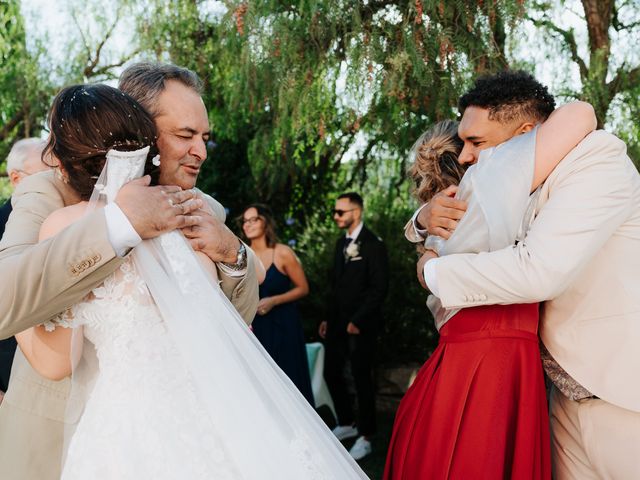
column 354, row 236
column 124, row 237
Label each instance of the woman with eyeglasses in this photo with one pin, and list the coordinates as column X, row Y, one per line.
column 277, row 323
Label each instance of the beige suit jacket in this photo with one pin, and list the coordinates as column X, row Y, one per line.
column 39, row 281
column 581, row 257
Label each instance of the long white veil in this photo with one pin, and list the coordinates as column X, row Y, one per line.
column 269, row 429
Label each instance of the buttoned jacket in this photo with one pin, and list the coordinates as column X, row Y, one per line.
column 581, row 257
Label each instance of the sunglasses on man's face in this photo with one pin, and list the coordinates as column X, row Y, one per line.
column 339, row 212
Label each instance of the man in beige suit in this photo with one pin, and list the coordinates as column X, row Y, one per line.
column 580, row 256
column 24, row 159
column 42, row 279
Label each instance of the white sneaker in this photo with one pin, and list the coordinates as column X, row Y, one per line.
column 342, row 432
column 360, row 449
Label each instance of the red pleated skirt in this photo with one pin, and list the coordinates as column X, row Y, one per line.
column 477, row 408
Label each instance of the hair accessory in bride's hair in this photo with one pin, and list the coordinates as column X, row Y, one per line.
column 434, row 164
column 156, row 160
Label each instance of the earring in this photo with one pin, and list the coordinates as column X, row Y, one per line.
column 61, row 176
column 156, row 160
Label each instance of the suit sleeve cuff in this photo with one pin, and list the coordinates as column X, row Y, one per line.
column 121, row 233
column 430, row 277
column 422, row 233
column 230, row 272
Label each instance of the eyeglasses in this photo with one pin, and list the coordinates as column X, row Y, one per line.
column 250, row 221
column 339, row 212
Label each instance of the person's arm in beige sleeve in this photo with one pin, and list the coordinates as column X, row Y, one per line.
column 589, row 197
column 41, row 280
column 242, row 291
column 240, row 287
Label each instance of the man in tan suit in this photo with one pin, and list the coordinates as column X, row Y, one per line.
column 24, row 159
column 42, row 279
column 580, row 256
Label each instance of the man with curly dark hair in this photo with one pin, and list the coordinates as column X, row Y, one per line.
column 579, row 253
column 499, row 107
column 510, row 96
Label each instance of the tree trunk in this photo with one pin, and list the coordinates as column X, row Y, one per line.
column 598, row 14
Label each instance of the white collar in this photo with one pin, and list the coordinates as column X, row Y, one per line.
column 356, row 232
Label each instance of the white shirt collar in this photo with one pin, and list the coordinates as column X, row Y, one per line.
column 356, row 232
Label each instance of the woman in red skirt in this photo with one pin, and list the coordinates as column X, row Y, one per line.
column 477, row 408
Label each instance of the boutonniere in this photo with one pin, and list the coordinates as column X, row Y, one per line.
column 353, row 250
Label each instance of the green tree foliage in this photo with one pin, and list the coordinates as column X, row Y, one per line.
column 608, row 66
column 298, row 84
column 24, row 88
column 311, row 98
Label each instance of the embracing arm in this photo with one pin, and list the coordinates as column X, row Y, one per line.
column 558, row 135
column 49, row 352
column 589, row 199
column 241, row 290
column 40, row 280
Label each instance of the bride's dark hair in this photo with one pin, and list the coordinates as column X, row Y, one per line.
column 434, row 160
column 86, row 121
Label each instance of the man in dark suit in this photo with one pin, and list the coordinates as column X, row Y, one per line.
column 24, row 159
column 360, row 281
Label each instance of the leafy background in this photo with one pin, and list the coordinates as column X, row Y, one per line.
column 311, row 98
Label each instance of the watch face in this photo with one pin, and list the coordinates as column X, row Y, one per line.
column 242, row 256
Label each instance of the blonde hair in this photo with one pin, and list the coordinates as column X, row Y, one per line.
column 434, row 160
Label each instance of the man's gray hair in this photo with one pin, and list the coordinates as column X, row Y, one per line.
column 21, row 150
column 145, row 82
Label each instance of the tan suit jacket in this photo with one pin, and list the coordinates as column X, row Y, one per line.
column 582, row 257
column 39, row 281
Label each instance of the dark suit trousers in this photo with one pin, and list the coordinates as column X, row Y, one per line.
column 359, row 350
column 7, row 351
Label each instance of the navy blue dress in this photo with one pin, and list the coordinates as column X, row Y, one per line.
column 280, row 333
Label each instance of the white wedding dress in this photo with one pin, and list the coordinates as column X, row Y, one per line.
column 169, row 383
column 143, row 418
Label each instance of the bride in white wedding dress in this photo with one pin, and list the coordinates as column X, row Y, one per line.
column 167, row 380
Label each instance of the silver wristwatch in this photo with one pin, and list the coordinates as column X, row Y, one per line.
column 241, row 259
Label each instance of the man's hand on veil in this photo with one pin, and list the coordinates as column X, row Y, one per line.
column 212, row 237
column 153, row 211
column 441, row 215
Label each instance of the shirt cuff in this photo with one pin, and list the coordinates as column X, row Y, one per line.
column 430, row 277
column 230, row 272
column 121, row 233
column 419, row 231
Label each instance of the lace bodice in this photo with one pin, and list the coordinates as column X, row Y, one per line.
column 144, row 389
column 182, row 388
column 143, row 393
